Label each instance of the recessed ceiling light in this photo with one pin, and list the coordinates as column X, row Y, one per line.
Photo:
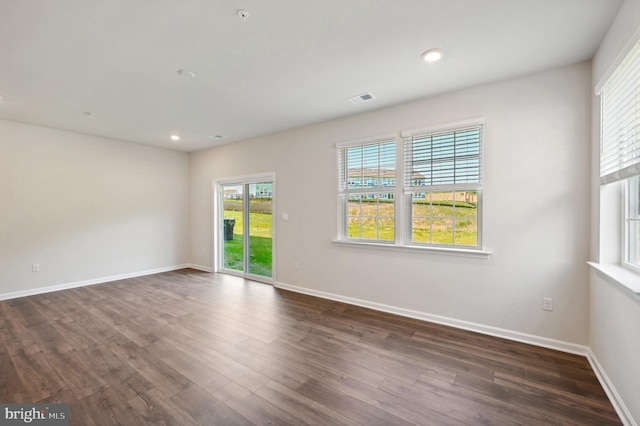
column 433, row 55
column 175, row 138
column 186, row 73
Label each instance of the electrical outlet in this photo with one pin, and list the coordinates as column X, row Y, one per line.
column 547, row 304
column 35, row 267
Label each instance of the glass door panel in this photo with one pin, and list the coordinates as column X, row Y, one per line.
column 246, row 228
column 233, row 227
column 260, row 239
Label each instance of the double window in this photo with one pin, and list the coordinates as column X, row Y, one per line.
column 421, row 188
column 620, row 146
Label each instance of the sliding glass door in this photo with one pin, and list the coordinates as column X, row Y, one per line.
column 246, row 226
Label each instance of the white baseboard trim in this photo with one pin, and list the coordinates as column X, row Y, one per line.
column 49, row 289
column 452, row 322
column 610, row 390
column 200, row 267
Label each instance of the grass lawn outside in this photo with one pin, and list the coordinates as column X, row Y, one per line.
column 442, row 224
column 436, row 223
column 260, row 243
column 259, row 258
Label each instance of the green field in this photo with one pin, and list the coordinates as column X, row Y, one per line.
column 260, row 241
column 438, row 223
column 260, row 258
column 441, row 224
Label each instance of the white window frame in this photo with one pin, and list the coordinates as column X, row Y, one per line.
column 403, row 200
column 620, row 147
column 473, row 184
column 344, row 190
column 613, row 243
column 631, row 224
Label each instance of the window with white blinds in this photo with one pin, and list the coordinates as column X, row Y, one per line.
column 438, row 204
column 620, row 149
column 367, row 166
column 443, row 180
column 449, row 159
column 367, row 190
column 620, row 121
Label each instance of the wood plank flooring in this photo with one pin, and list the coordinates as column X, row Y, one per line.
column 192, row 348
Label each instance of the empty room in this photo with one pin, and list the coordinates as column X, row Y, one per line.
column 363, row 212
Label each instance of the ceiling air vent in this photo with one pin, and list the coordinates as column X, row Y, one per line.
column 365, row 97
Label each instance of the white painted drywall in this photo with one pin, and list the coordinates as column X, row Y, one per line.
column 84, row 207
column 614, row 320
column 536, row 218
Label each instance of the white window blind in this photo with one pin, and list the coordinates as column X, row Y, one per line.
column 442, row 160
column 369, row 166
column 620, row 121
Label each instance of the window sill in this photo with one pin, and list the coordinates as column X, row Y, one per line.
column 416, row 249
column 619, row 275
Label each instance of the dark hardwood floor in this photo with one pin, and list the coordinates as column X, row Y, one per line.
column 187, row 348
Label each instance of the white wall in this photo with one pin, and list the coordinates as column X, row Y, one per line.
column 536, row 217
column 86, row 208
column 614, row 320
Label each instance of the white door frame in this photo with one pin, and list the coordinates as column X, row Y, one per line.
column 218, row 231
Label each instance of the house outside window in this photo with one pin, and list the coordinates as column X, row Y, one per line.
column 367, row 199
column 443, row 174
column 439, row 203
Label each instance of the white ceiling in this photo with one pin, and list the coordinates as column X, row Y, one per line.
column 291, row 63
